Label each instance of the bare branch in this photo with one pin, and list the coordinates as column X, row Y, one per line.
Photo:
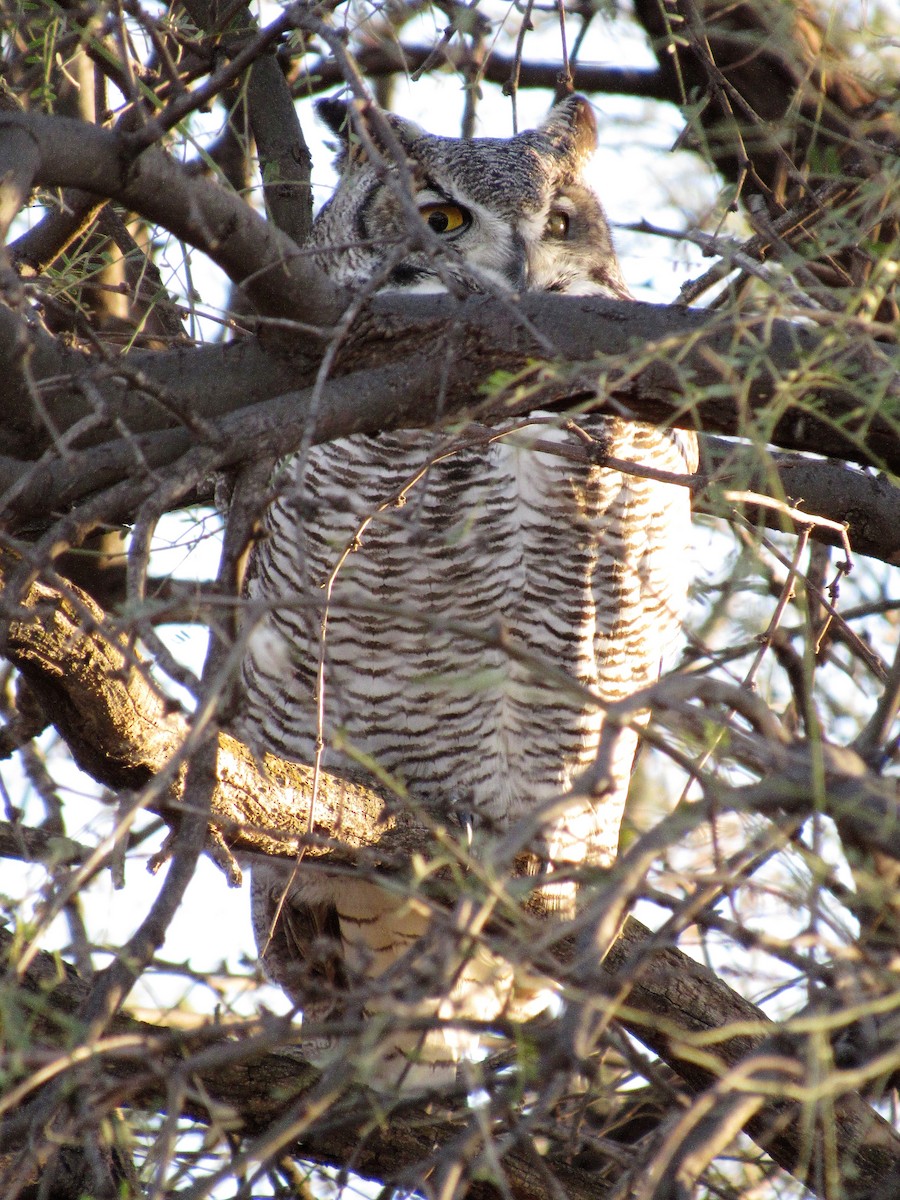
column 687, row 371
column 265, row 262
column 385, row 58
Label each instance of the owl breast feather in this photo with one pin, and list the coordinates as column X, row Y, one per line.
column 582, row 569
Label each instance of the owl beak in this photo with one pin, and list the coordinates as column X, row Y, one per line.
column 516, row 270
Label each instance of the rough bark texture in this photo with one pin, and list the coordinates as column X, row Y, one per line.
column 683, row 1012
column 123, row 731
column 654, row 361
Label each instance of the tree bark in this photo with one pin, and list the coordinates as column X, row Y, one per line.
column 122, row 730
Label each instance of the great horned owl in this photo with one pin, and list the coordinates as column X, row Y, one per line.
column 584, row 567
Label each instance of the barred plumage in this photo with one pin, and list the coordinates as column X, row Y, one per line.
column 584, row 567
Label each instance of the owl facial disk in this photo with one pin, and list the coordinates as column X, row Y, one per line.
column 509, row 213
column 568, row 245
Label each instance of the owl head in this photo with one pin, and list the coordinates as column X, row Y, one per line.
column 510, row 213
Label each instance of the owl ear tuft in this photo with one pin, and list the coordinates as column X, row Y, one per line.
column 572, row 126
column 335, row 112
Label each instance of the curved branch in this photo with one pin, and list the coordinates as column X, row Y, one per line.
column 868, row 504
column 123, row 731
column 277, row 277
column 386, row 58
column 648, row 362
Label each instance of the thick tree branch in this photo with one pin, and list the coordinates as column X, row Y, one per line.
column 376, row 60
column 644, row 361
column 867, row 503
column 837, row 413
column 277, row 277
column 122, row 730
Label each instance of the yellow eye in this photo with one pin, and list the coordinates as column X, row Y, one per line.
column 557, row 225
column 445, row 218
